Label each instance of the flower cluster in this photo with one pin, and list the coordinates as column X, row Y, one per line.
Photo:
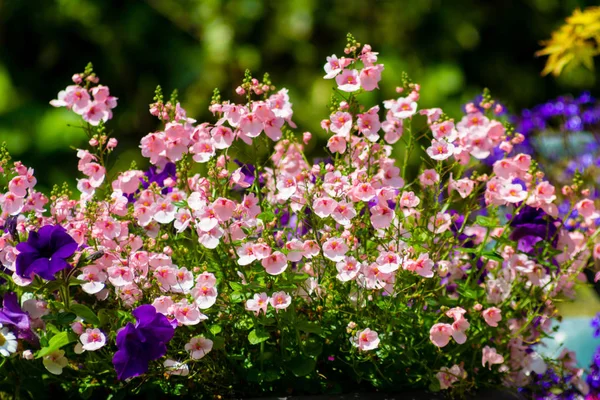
column 244, row 274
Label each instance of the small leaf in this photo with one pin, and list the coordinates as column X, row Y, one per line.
column 236, row 287
column 266, row 216
column 215, row 329
column 181, row 203
column 257, row 336
column 485, row 221
column 302, row 366
column 57, row 341
column 85, row 313
column 308, row 326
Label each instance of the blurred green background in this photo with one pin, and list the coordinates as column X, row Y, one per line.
column 453, row 48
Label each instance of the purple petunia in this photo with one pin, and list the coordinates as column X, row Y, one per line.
column 45, row 252
column 141, row 343
column 531, row 226
column 11, row 314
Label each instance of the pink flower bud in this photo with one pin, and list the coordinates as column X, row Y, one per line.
column 112, row 143
column 344, row 106
column 77, row 327
column 240, row 90
column 28, row 355
column 506, row 147
column 93, row 142
column 168, row 250
column 306, row 136
column 399, row 89
column 77, row 78
column 498, row 109
column 519, row 138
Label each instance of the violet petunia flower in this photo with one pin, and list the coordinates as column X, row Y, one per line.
column 12, row 315
column 168, row 171
column 141, row 343
column 531, row 226
column 45, row 253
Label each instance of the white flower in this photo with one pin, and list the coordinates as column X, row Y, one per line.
column 8, row 342
column 176, row 368
column 55, row 362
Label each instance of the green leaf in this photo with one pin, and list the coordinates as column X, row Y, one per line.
column 485, row 221
column 236, row 287
column 313, row 347
column 257, row 336
column 300, row 277
column 85, row 313
column 492, row 255
column 103, row 317
column 61, row 318
column 181, row 203
column 266, row 216
column 53, row 285
column 215, row 329
column 308, row 326
column 57, row 341
column 236, row 297
column 302, row 366
column 218, row 343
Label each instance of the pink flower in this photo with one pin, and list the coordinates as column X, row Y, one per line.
column 347, row 269
column 348, row 81
column 92, row 339
column 440, row 150
column 587, row 209
column 370, row 77
column 286, row 186
column 363, row 191
column 334, row 66
column 409, row 200
column 258, row 303
column 490, row 356
column 341, row 123
column 324, row 206
column 448, row 377
column 198, row 347
column 368, row 124
column 388, row 262
column 96, row 112
column 492, row 316
column 343, row 213
column 164, row 211
column 95, row 278
column 464, row 186
column 275, row 264
column 187, row 314
column 163, row 304
column 205, row 295
column 439, row 334
column 295, row 249
column 335, row 249
column 222, row 137
column 422, row 266
column 440, row 223
column 381, row 216
column 337, row 144
column 280, row 300
column 402, row 108
column 366, row 340
column 513, row 193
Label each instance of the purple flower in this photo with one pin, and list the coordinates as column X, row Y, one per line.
column 141, row 343
column 11, row 314
column 169, row 171
column 531, row 226
column 45, row 252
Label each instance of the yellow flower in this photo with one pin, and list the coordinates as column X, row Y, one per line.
column 577, row 42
